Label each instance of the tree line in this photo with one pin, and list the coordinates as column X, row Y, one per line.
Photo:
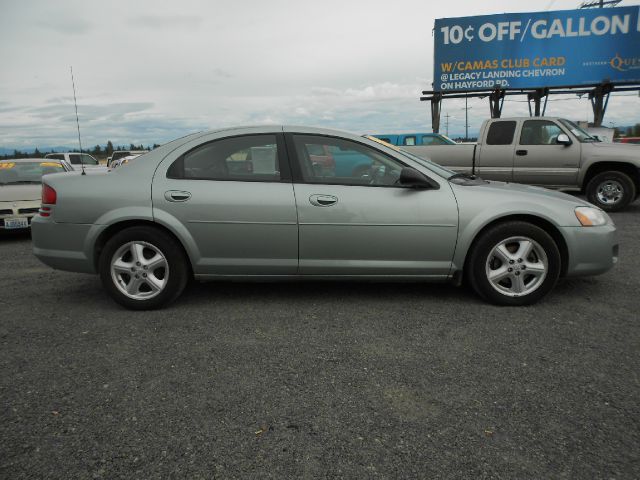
column 97, row 151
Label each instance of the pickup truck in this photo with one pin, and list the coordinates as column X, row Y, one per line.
column 76, row 160
column 409, row 139
column 549, row 152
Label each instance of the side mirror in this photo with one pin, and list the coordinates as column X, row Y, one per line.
column 412, row 178
column 563, row 139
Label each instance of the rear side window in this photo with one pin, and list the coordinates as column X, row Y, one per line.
column 247, row 158
column 501, row 133
column 430, row 140
column 409, row 141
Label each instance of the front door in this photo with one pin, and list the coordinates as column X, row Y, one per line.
column 540, row 160
column 362, row 222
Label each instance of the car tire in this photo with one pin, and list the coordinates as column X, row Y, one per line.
column 611, row 191
column 514, row 263
column 143, row 268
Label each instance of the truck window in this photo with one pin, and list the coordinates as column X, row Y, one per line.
column 409, row 140
column 432, row 140
column 501, row 133
column 55, row 156
column 539, row 132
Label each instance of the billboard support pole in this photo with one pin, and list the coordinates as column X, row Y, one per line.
column 599, row 98
column 536, row 96
column 436, row 105
column 496, row 101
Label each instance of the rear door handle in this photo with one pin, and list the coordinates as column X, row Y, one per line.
column 323, row 200
column 177, row 196
column 521, row 153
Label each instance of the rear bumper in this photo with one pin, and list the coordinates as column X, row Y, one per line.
column 592, row 250
column 63, row 246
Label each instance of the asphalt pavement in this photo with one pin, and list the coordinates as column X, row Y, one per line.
column 319, row 380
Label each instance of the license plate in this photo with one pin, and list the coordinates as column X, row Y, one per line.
column 14, row 223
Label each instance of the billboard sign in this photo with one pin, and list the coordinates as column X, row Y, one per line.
column 535, row 50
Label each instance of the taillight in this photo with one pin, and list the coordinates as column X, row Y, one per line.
column 49, row 195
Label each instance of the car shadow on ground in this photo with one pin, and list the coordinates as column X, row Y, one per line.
column 16, row 236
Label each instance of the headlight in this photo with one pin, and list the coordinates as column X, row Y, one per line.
column 592, row 217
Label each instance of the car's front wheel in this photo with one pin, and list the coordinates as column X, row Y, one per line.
column 143, row 268
column 514, row 263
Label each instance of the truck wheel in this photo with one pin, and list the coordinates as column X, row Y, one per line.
column 143, row 268
column 611, row 191
column 514, row 263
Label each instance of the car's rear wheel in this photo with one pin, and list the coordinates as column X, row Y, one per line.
column 514, row 263
column 611, row 191
column 143, row 268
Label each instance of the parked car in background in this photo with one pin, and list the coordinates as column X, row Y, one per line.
column 630, row 140
column 122, row 161
column 548, row 152
column 76, row 160
column 411, row 139
column 118, row 154
column 21, row 188
column 182, row 210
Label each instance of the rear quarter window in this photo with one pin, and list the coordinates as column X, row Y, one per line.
column 501, row 133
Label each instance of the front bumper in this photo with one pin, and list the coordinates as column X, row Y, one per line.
column 592, row 250
column 18, row 209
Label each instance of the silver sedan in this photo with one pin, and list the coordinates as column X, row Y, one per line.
column 307, row 203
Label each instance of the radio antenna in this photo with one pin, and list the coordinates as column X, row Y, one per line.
column 75, row 102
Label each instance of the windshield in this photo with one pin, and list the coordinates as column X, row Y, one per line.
column 580, row 134
column 26, row 172
column 440, row 170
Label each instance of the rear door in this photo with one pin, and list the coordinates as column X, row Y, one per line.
column 233, row 198
column 362, row 222
column 495, row 161
column 540, row 160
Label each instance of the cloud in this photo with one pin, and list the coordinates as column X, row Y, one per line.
column 174, row 21
column 66, row 25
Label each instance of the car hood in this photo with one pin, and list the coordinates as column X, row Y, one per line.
column 14, row 193
column 614, row 151
column 518, row 189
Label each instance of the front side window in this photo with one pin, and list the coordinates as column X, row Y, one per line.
column 539, row 132
column 247, row 158
column 501, row 133
column 344, row 162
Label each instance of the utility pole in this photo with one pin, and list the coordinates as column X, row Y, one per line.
column 447, row 123
column 466, row 118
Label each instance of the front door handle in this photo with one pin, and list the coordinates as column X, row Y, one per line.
column 521, row 153
column 177, row 196
column 323, row 200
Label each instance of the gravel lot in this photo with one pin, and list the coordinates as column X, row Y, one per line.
column 319, row 380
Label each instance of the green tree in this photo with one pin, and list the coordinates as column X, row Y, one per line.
column 109, row 149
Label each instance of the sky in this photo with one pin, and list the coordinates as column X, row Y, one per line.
column 151, row 71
